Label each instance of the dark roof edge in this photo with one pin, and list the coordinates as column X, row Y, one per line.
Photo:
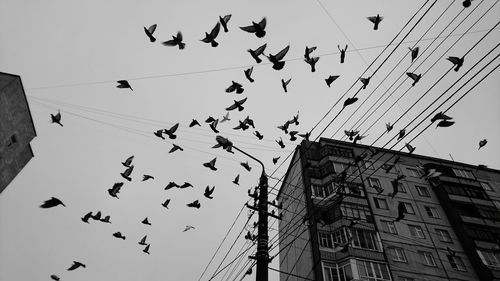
column 25, row 98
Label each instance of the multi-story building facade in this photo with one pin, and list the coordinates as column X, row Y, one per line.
column 343, row 221
column 16, row 128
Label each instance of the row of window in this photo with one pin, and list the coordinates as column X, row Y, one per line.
column 361, row 238
column 427, row 258
column 324, row 191
column 432, row 212
column 416, row 231
column 366, row 270
column 422, row 190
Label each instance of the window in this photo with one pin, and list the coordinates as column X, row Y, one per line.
column 365, row 239
column 444, row 235
column 463, row 173
column 375, row 183
column 389, row 226
column 423, row 191
column 486, row 186
column 340, row 167
column 413, row 172
column 354, row 211
column 327, row 240
column 456, row 262
column 398, row 254
column 322, row 191
column 489, row 258
column 380, row 203
column 416, row 231
column 408, row 208
column 432, row 212
column 427, row 258
column 372, row 271
column 338, row 272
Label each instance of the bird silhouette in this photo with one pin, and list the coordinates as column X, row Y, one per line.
column 171, row 132
column 75, row 265
column 414, row 53
column 350, row 101
column 284, row 127
column 414, row 77
column 128, row 161
column 225, row 118
column 249, row 271
column 401, row 212
column 237, row 104
column 482, row 143
column 248, row 74
column 223, row 21
column 55, row 277
column 235, row 87
column 312, row 62
column 147, row 177
column 395, row 185
column 440, row 116
column 258, row 135
column 208, row 192
column 295, row 119
column 357, row 138
column 308, row 51
column 127, row 172
column 275, row 160
column 119, row 235
column 241, row 125
column 401, row 134
column 246, row 166
column 106, row 219
column 280, row 143
column 351, row 134
column 193, row 123
column 188, row 227
column 210, row 119
column 175, row 148
column 115, row 189
column 445, row 123
column 97, row 216
column 149, row 32
column 467, row 3
column 213, row 125
column 257, row 28
column 52, row 202
column 293, row 136
column 237, row 180
column 375, row 20
column 276, row 59
column 284, row 84
column 175, row 41
column 124, row 84
column 170, row 185
column 159, row 134
column 388, row 127
column 56, row 118
column 186, row 185
column 305, row 136
column 210, row 38
column 146, row 250
column 87, row 217
column 146, row 221
column 330, row 79
column 257, row 52
column 410, row 148
column 165, row 204
column 342, row 53
column 458, row 62
column 194, row 204
column 211, row 164
column 143, row 240
column 365, row 81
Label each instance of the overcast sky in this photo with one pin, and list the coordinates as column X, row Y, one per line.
column 70, row 53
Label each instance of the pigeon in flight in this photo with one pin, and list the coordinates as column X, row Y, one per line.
column 342, row 53
column 52, row 202
column 97, row 216
column 350, row 101
column 284, row 127
column 171, row 132
column 175, row 148
column 280, row 143
column 149, row 32
column 146, row 250
column 275, row 160
column 194, row 204
column 193, row 123
column 401, row 211
column 375, row 20
column 258, row 135
column 225, row 118
column 293, row 136
column 458, row 62
column 445, row 123
column 146, row 221
column 75, row 265
column 237, row 180
column 257, row 28
column 223, row 21
column 440, row 116
column 147, row 177
column 106, row 219
column 115, row 189
column 213, row 126
column 242, row 125
column 55, row 277
column 170, row 185
column 165, row 204
column 414, row 53
column 237, row 104
column 175, row 41
column 365, row 81
column 87, row 217
column 308, row 51
column 211, row 164
column 276, row 59
column 312, row 62
column 210, row 38
column 246, row 166
column 357, row 138
column 414, row 77
column 257, row 52
column 186, row 185
column 143, row 240
column 284, row 84
column 330, row 79
column 159, row 134
column 410, row 148
column 467, row 3
column 210, row 119
column 127, row 172
column 128, row 161
column 389, row 127
column 208, row 192
column 188, row 227
column 124, row 84
column 351, row 134
column 119, row 235
column 482, row 143
column 56, row 118
column 395, row 185
column 248, row 74
column 401, row 134
column 295, row 119
column 305, row 136
column 235, row 87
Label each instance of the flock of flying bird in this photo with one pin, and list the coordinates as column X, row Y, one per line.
column 259, row 30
